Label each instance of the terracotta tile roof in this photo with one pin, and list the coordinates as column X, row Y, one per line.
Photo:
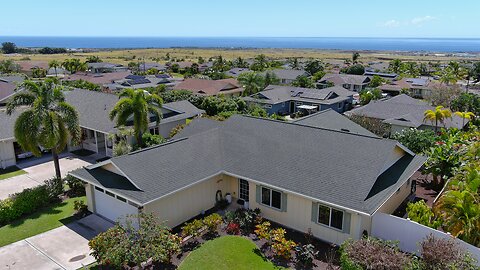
column 28, row 65
column 210, row 87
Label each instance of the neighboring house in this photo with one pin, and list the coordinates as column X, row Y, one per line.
column 140, row 82
column 402, row 112
column 235, row 72
column 59, row 72
column 286, row 76
column 323, row 181
column 351, row 82
column 152, row 65
column 27, row 66
column 226, row 87
column 104, row 67
column 386, row 76
column 99, row 79
column 93, row 109
column 285, row 100
column 333, row 120
column 417, row 87
column 8, row 85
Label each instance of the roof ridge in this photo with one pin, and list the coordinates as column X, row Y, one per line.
column 307, row 126
column 157, row 146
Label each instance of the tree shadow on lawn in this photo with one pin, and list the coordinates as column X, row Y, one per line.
column 45, row 211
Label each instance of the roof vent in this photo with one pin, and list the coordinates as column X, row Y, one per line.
column 345, row 130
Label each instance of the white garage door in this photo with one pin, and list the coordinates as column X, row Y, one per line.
column 112, row 208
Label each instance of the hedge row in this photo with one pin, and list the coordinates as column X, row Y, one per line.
column 30, row 200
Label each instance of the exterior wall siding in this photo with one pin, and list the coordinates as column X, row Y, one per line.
column 397, row 198
column 165, row 128
column 181, row 206
column 298, row 216
column 7, row 154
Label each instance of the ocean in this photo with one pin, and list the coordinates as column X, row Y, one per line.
column 445, row 45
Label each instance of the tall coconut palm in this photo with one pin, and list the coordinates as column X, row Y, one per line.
column 252, row 82
column 437, row 115
column 47, row 120
column 465, row 115
column 54, row 64
column 137, row 105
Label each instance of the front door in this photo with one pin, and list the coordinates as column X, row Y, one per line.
column 243, row 189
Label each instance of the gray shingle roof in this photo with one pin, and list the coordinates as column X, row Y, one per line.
column 331, row 119
column 94, row 107
column 402, row 110
column 274, row 94
column 337, row 167
column 288, row 74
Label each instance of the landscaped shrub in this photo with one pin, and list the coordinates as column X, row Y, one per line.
column 77, row 187
column 30, row 200
column 192, row 228
column 233, row 228
column 247, row 219
column 54, row 187
column 441, row 253
column 212, row 222
column 283, row 248
column 80, row 208
column 420, row 212
column 371, row 253
column 305, row 254
column 134, row 243
column 263, row 231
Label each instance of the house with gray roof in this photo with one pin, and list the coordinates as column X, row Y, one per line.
column 402, row 111
column 283, row 100
column 287, row 76
column 141, row 82
column 104, row 67
column 308, row 178
column 93, row 109
column 235, row 72
column 351, row 82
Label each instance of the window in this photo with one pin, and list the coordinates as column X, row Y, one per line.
column 99, row 189
column 109, row 193
column 243, row 189
column 122, row 199
column 330, row 217
column 272, row 198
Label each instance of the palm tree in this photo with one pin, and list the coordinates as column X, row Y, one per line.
column 54, row 64
column 137, row 105
column 437, row 115
column 48, row 121
column 465, row 115
column 252, row 83
column 458, row 206
column 355, row 57
column 395, row 66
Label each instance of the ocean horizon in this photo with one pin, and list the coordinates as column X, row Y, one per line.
column 441, row 45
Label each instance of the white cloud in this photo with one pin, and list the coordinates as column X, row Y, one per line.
column 421, row 20
column 391, row 23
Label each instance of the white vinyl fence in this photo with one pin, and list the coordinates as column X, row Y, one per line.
column 410, row 233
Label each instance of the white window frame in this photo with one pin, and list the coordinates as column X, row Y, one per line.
column 271, row 192
column 330, row 217
column 240, row 189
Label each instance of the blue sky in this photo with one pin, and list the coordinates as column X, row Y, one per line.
column 264, row 18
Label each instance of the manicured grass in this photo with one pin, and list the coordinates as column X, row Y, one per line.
column 11, row 172
column 44, row 220
column 227, row 252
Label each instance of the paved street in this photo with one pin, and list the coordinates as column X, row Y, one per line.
column 38, row 170
column 63, row 248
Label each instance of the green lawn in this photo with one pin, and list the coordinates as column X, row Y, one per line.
column 10, row 172
column 44, row 220
column 227, row 252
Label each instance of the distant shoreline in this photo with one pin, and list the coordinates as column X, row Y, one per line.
column 396, row 45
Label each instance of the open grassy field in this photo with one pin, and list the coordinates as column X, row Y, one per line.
column 192, row 54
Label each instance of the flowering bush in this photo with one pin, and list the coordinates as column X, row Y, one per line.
column 192, row 228
column 212, row 222
column 263, row 231
column 233, row 228
column 140, row 239
column 283, row 248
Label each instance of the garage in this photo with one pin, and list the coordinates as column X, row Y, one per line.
column 112, row 207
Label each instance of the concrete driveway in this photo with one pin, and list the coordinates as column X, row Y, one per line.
column 63, row 248
column 38, row 170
